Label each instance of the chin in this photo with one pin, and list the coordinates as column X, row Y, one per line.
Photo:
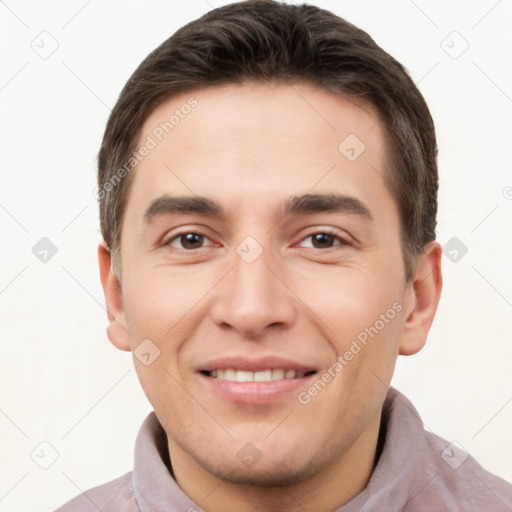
column 281, row 471
column 264, row 477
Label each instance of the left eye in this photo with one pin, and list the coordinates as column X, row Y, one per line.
column 188, row 241
column 324, row 240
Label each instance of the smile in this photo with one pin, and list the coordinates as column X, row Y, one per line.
column 268, row 375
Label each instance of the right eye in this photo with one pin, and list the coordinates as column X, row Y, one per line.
column 187, row 241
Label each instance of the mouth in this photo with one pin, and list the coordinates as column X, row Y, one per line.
column 255, row 381
column 268, row 375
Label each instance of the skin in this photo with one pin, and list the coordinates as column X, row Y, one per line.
column 249, row 148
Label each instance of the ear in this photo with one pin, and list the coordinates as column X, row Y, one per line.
column 422, row 299
column 116, row 331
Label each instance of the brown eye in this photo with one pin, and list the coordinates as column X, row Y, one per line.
column 187, row 241
column 322, row 240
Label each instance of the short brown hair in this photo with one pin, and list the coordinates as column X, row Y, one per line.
column 268, row 41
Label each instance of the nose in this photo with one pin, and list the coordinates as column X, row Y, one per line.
column 253, row 298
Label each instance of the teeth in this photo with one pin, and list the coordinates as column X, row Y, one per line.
column 242, row 376
column 263, row 376
column 260, row 376
column 230, row 374
column 277, row 374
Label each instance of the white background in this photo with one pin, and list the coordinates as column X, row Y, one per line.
column 60, row 379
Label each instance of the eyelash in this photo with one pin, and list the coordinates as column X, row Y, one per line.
column 342, row 241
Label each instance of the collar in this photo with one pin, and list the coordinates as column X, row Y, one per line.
column 391, row 485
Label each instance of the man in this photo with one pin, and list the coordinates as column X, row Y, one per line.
column 268, row 196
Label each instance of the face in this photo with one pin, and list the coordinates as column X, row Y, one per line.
column 261, row 264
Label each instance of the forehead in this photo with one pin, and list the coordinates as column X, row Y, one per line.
column 260, row 142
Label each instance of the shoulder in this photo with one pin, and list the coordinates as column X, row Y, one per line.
column 460, row 481
column 109, row 497
column 429, row 472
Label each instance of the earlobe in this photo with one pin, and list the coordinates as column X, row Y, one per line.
column 423, row 299
column 116, row 330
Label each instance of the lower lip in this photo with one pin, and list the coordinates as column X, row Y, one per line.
column 255, row 392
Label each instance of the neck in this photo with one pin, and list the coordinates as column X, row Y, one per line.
column 334, row 485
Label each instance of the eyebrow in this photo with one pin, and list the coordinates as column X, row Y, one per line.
column 307, row 203
column 318, row 203
column 165, row 205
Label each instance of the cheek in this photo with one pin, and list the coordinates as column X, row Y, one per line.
column 360, row 319
column 349, row 299
column 158, row 299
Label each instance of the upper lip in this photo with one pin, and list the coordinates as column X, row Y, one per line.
column 255, row 364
